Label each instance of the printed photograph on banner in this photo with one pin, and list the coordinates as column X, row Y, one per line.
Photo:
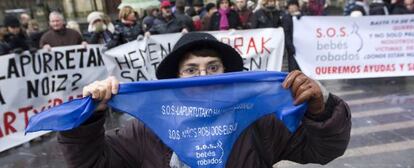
column 261, row 49
column 348, row 47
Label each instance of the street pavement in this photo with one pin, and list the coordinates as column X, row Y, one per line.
column 382, row 134
column 382, row 129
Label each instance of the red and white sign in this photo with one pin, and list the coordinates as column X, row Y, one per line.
column 348, row 47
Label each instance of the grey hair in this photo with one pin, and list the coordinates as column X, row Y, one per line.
column 58, row 14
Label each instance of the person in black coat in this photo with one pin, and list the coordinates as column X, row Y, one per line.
column 15, row 37
column 403, row 7
column 225, row 18
column 268, row 15
column 292, row 11
column 167, row 22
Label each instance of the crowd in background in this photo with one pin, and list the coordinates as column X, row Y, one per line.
column 18, row 34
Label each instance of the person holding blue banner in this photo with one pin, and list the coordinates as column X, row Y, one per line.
column 322, row 136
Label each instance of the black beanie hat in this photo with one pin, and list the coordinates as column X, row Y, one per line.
column 11, row 21
column 209, row 6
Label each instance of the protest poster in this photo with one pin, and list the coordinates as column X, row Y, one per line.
column 30, row 83
column 334, row 47
column 261, row 49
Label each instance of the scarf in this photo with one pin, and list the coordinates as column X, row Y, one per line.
column 224, row 21
column 199, row 116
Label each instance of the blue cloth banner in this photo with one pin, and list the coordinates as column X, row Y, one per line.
column 199, row 118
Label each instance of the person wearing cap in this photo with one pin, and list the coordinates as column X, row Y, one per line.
column 128, row 29
column 323, row 135
column 167, row 22
column 225, row 18
column 15, row 37
column 99, row 32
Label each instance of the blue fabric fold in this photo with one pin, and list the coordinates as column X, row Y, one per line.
column 200, row 118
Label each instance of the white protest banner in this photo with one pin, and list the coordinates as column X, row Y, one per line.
column 31, row 83
column 349, row 47
column 261, row 49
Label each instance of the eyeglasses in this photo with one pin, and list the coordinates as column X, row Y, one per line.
column 211, row 69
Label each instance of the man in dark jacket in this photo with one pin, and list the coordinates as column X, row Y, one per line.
column 322, row 137
column 268, row 15
column 182, row 16
column 167, row 22
column 16, row 39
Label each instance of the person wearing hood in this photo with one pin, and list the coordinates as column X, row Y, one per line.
column 323, row 135
column 16, row 37
column 99, row 31
column 225, row 18
column 128, row 29
column 58, row 34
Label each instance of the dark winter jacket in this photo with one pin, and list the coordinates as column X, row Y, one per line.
column 124, row 34
column 187, row 20
column 98, row 37
column 4, row 48
column 319, row 139
column 263, row 18
column 400, row 9
column 35, row 38
column 232, row 17
column 287, row 24
column 162, row 26
column 378, row 9
column 17, row 42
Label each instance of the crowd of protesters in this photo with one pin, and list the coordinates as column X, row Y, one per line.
column 22, row 33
